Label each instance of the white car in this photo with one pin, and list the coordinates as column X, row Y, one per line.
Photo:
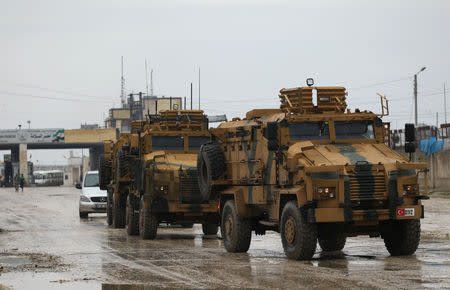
column 92, row 198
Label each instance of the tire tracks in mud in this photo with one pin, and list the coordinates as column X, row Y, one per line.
column 128, row 260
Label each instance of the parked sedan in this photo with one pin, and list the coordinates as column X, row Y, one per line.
column 92, row 198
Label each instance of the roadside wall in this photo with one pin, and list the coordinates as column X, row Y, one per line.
column 439, row 165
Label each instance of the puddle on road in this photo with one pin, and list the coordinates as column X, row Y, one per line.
column 46, row 280
column 15, row 261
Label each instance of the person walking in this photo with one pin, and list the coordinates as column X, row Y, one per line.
column 16, row 182
column 22, row 181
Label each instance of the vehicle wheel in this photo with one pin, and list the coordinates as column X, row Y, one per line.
column 109, row 208
column 104, row 175
column 331, row 238
column 402, row 237
column 148, row 222
column 119, row 213
column 122, row 165
column 210, row 229
column 83, row 215
column 236, row 231
column 210, row 166
column 132, row 218
column 298, row 237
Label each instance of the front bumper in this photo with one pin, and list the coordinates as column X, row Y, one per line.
column 328, row 215
column 91, row 207
column 404, row 212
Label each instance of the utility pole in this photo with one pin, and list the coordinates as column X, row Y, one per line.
column 146, row 77
column 437, row 120
column 415, row 96
column 415, row 100
column 191, row 96
column 122, row 86
column 199, row 88
column 445, row 106
column 151, row 82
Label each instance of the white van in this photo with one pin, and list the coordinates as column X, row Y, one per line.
column 92, row 198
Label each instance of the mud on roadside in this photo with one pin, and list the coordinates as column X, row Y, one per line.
column 12, row 260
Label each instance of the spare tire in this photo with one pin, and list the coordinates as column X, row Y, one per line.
column 104, row 174
column 122, row 164
column 210, row 166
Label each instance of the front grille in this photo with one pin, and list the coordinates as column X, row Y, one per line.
column 366, row 186
column 98, row 199
column 189, row 189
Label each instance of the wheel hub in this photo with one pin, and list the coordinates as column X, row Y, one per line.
column 289, row 230
column 229, row 227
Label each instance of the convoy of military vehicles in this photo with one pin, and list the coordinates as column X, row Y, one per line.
column 311, row 170
column 151, row 175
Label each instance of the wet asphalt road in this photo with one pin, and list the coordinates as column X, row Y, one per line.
column 44, row 245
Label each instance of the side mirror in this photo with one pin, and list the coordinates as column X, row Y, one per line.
column 271, row 134
column 410, row 133
column 410, row 137
column 78, row 186
column 271, row 131
column 410, row 147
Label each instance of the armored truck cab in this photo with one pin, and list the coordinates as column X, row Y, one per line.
column 163, row 176
column 313, row 172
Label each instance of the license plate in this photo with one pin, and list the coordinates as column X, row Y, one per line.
column 405, row 212
column 100, row 206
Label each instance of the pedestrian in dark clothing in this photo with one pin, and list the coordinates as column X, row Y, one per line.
column 22, row 181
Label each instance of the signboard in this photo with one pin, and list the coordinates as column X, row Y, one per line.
column 26, row 136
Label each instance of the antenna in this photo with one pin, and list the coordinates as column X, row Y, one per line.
column 199, row 88
column 146, row 76
column 191, row 96
column 151, row 82
column 122, row 86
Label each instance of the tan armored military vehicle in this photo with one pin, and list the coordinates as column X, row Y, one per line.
column 114, row 173
column 313, row 172
column 155, row 176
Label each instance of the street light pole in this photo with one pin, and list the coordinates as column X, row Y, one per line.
column 415, row 97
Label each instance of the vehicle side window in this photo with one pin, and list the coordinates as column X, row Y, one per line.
column 167, row 143
column 197, row 141
column 309, row 131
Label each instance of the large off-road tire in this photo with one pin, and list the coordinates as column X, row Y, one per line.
column 122, row 165
column 401, row 237
column 109, row 207
column 210, row 166
column 331, row 237
column 298, row 237
column 236, row 231
column 148, row 222
column 104, row 174
column 132, row 215
column 119, row 209
column 210, row 228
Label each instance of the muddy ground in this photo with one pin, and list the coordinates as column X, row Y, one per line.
column 45, row 245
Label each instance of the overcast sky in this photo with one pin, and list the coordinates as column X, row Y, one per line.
column 60, row 60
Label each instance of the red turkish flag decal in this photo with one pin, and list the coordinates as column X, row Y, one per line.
column 401, row 212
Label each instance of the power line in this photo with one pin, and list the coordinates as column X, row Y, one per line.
column 53, row 90
column 52, row 98
column 379, row 84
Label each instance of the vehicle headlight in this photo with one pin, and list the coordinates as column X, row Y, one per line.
column 410, row 189
column 84, row 198
column 324, row 192
column 162, row 189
